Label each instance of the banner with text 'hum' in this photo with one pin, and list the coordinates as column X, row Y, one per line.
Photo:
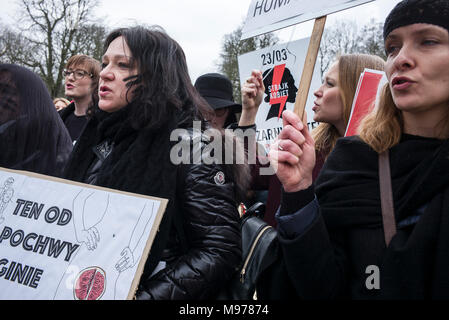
column 270, row 15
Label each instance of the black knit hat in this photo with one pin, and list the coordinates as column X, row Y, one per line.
column 408, row 12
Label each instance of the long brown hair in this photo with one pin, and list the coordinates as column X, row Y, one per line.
column 350, row 66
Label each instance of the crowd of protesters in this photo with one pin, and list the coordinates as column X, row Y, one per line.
column 324, row 197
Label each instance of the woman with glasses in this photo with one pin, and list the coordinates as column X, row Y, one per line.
column 81, row 85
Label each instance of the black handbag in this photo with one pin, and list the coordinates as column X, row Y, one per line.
column 259, row 251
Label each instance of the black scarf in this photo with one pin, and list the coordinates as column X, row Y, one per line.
column 416, row 263
column 139, row 163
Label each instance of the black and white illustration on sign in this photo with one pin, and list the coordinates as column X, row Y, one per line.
column 6, row 194
column 279, row 89
column 94, row 235
column 72, row 241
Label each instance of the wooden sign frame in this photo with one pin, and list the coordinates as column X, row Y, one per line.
column 309, row 66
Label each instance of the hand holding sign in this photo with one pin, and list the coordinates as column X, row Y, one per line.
column 293, row 154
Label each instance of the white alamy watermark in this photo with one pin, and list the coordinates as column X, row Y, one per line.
column 213, row 146
column 373, row 280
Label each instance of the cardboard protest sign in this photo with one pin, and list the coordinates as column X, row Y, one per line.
column 368, row 91
column 269, row 15
column 281, row 67
column 71, row 241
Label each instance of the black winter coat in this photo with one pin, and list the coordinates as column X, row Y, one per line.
column 200, row 201
column 65, row 112
column 212, row 232
column 343, row 252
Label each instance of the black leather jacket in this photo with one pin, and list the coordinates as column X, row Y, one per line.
column 212, row 232
column 198, row 268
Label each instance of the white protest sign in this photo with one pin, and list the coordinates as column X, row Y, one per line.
column 269, row 15
column 281, row 67
column 66, row 240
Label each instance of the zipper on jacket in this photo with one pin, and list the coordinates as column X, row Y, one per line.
column 251, row 251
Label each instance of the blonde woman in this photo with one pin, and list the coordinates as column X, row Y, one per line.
column 332, row 109
column 335, row 96
column 334, row 244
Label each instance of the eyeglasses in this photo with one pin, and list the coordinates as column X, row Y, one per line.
column 77, row 74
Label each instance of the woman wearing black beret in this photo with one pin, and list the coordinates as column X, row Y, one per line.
column 341, row 242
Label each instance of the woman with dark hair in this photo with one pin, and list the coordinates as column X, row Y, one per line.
column 346, row 242
column 32, row 135
column 145, row 93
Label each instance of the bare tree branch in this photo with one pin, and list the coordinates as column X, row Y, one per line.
column 46, row 37
column 345, row 37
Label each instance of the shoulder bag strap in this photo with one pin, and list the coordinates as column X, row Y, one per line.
column 386, row 197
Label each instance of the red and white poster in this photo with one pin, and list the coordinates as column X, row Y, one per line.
column 281, row 67
column 368, row 90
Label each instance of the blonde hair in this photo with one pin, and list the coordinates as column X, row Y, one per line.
column 350, row 66
column 382, row 129
column 64, row 100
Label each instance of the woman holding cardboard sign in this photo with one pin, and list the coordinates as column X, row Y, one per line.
column 362, row 238
column 145, row 94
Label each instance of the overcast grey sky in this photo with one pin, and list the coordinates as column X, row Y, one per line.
column 200, row 25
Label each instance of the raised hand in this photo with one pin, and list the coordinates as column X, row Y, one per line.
column 252, row 94
column 293, row 154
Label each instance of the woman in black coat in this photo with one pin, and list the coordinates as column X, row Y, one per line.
column 333, row 244
column 145, row 94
